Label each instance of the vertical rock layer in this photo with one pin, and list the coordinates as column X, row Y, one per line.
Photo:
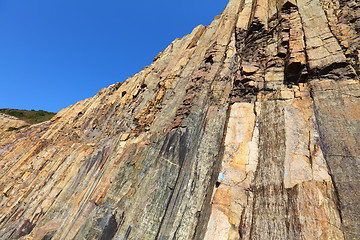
column 248, row 128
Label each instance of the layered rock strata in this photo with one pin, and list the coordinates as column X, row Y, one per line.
column 248, row 128
column 7, row 121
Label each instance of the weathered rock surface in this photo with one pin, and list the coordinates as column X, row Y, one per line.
column 7, row 121
column 248, row 128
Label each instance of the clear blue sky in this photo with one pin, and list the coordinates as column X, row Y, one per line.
column 54, row 53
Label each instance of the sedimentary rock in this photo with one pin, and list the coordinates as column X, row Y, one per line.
column 7, row 121
column 248, row 128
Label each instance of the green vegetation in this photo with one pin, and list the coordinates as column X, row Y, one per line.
column 14, row 128
column 30, row 117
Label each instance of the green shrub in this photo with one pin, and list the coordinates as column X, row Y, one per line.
column 31, row 116
column 14, row 128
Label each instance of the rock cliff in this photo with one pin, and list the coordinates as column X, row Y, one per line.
column 7, row 121
column 248, row 128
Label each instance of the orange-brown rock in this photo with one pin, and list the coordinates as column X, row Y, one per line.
column 7, row 121
column 248, row 128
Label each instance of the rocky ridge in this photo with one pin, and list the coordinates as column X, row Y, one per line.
column 248, row 128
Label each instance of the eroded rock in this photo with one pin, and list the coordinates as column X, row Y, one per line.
column 244, row 129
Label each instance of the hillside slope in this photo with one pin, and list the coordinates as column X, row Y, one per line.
column 10, row 122
column 248, row 128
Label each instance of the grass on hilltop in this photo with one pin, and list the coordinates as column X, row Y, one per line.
column 30, row 117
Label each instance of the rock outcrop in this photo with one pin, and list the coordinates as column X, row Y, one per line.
column 7, row 121
column 248, row 128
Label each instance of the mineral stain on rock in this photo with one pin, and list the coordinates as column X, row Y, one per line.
column 110, row 229
column 248, row 128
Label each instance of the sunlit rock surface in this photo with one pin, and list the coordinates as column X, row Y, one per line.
column 248, row 128
column 7, row 121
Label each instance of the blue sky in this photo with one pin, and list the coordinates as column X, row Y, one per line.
column 54, row 53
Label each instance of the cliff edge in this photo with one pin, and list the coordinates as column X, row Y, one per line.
column 248, row 128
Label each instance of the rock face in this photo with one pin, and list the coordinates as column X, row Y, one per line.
column 248, row 128
column 7, row 121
